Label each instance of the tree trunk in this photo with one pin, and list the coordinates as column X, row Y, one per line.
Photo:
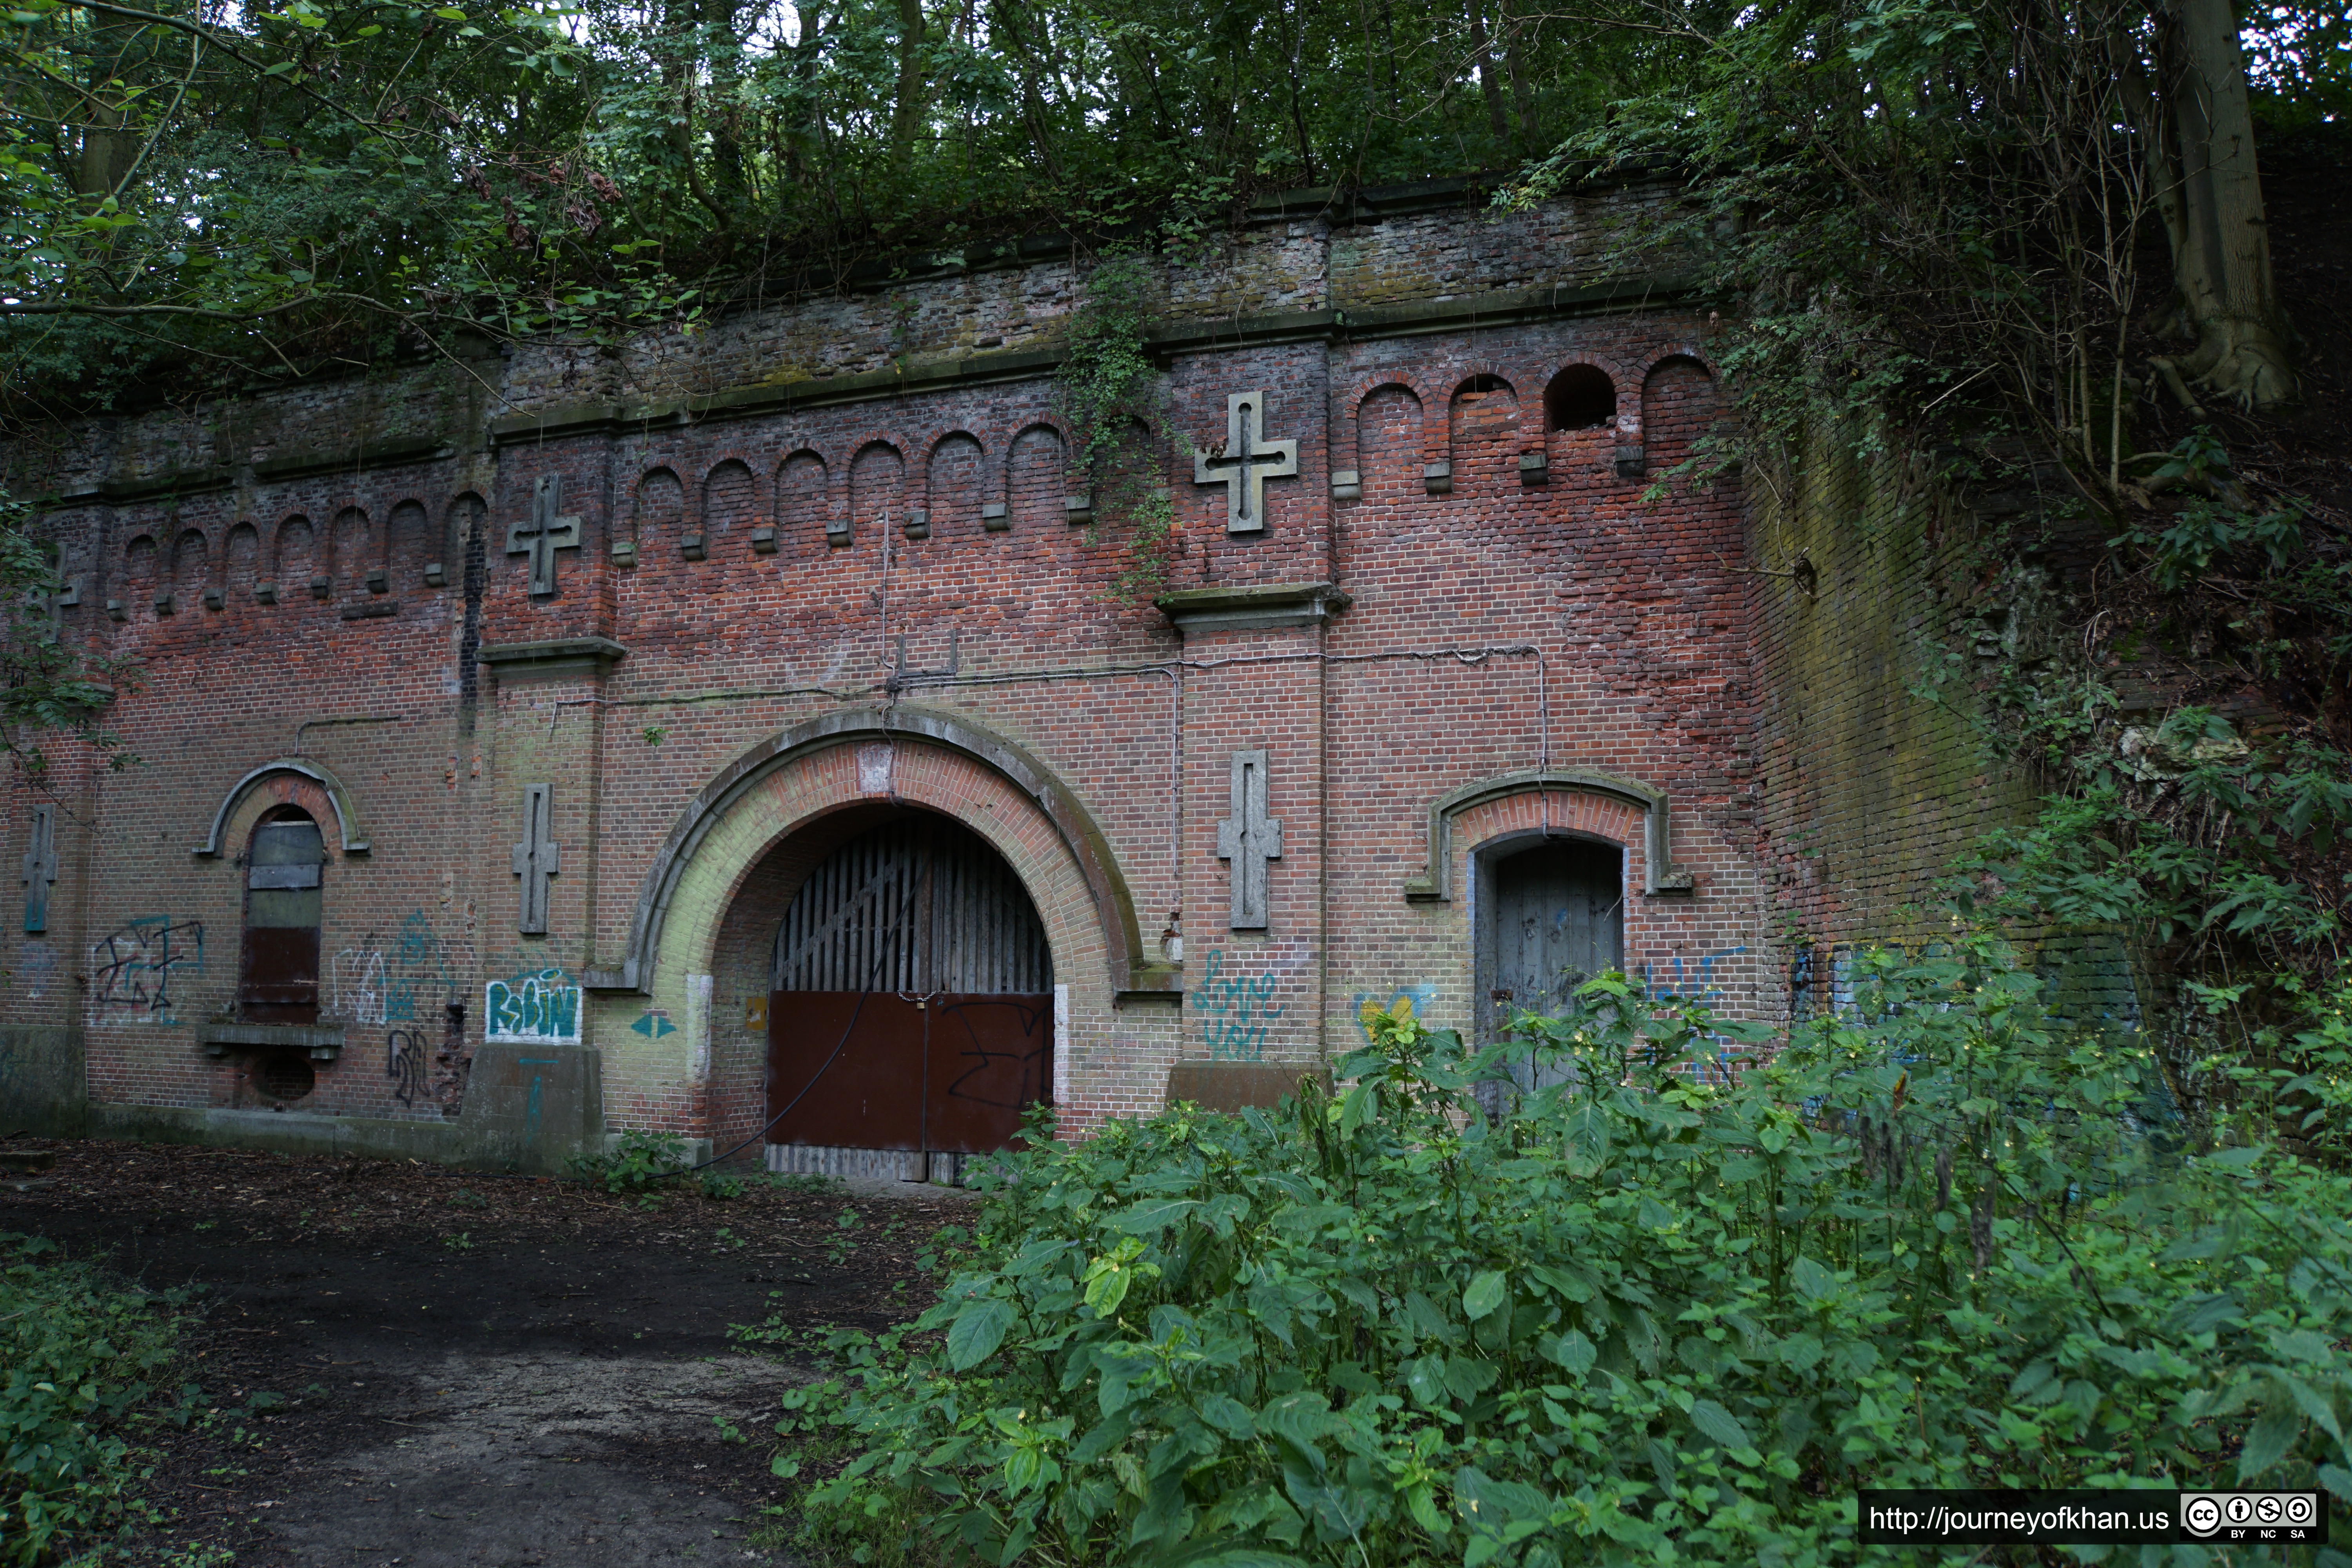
column 906, row 115
column 2211, row 201
column 1518, row 45
column 1490, row 84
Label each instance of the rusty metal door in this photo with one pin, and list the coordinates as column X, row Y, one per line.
column 912, row 998
column 278, row 970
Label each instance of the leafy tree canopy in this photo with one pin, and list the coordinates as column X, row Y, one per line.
column 285, row 186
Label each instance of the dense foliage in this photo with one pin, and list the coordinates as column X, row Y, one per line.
column 291, row 186
column 1946, row 1240
column 78, row 1356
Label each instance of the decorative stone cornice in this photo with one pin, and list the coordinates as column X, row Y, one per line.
column 560, row 659
column 1197, row 610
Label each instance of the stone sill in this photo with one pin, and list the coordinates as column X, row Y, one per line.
column 323, row 1042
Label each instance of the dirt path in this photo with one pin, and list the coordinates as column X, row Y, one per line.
column 474, row 1371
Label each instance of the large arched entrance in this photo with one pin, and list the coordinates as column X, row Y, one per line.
column 910, row 1002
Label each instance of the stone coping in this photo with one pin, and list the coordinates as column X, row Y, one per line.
column 1409, row 319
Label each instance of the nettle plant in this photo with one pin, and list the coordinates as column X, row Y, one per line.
column 1940, row 1241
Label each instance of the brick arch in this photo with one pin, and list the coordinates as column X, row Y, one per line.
column 288, row 781
column 1046, row 507
column 1351, row 402
column 861, row 507
column 1622, row 384
column 981, row 473
column 633, row 507
column 908, row 754
column 1637, row 382
column 1531, row 816
column 1580, row 801
column 1468, row 439
column 762, row 500
column 803, row 512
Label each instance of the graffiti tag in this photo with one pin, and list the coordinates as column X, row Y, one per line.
column 359, row 993
column 1238, row 1011
column 131, row 970
column 531, row 1009
column 404, row 1065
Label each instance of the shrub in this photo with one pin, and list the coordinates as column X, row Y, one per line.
column 718, row 1186
column 640, row 1160
column 1942, row 1241
column 78, row 1357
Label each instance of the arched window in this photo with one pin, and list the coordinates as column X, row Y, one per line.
column 278, row 967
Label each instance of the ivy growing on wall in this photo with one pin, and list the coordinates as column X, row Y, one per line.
column 1115, row 403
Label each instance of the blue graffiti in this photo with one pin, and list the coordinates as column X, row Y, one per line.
column 1238, row 1011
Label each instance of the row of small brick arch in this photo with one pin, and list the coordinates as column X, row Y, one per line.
column 1582, row 396
column 1579, row 395
column 409, row 532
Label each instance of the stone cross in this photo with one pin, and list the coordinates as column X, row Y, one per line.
column 1245, row 462
column 1249, row 839
column 40, row 869
column 544, row 534
column 537, row 857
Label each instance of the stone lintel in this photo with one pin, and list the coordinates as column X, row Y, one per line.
column 560, row 658
column 1198, row 610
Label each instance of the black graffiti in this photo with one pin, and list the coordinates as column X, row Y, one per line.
column 1026, row 1077
column 406, row 1064
column 132, row 967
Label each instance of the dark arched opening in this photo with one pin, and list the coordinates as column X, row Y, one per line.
column 910, row 996
column 1580, row 397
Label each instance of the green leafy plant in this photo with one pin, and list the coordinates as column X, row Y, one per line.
column 461, row 1241
column 718, row 1186
column 843, row 1242
column 82, row 1361
column 638, row 1161
column 1672, row 1301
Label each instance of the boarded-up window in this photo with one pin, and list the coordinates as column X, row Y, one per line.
column 278, row 970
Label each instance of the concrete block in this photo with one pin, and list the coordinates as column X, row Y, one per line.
column 1230, row 1086
column 533, row 1108
column 44, row 1086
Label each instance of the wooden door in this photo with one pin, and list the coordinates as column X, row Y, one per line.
column 1556, row 919
column 277, row 966
column 911, row 1003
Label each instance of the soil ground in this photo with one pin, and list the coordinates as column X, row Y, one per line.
column 474, row 1370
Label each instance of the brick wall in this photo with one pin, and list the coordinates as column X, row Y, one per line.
column 823, row 534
